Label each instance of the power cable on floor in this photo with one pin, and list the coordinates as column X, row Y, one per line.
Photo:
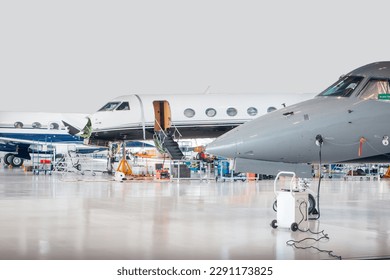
column 322, row 236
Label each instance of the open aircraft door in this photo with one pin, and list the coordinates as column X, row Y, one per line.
column 162, row 115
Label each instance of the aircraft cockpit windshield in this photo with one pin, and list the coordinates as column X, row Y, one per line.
column 377, row 89
column 123, row 107
column 109, row 106
column 343, row 87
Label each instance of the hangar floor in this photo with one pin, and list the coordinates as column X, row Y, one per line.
column 45, row 217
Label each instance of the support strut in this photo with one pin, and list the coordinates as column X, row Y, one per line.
column 124, row 166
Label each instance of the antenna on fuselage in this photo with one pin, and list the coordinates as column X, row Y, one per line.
column 207, row 91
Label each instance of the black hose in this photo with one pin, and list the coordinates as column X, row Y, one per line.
column 319, row 184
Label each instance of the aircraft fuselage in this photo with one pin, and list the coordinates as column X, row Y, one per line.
column 132, row 117
column 289, row 134
column 350, row 118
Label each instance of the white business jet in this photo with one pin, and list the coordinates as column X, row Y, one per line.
column 22, row 133
column 140, row 117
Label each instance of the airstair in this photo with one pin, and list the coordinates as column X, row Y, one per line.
column 164, row 132
column 166, row 143
column 172, row 147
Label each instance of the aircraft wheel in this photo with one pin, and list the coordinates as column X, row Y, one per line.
column 273, row 224
column 275, row 206
column 8, row 158
column 294, row 226
column 16, row 162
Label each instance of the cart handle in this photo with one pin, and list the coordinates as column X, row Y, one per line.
column 291, row 183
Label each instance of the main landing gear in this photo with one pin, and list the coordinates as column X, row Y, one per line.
column 12, row 160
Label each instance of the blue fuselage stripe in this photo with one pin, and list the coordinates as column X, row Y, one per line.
column 49, row 138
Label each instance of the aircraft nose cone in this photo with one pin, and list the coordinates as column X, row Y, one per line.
column 223, row 146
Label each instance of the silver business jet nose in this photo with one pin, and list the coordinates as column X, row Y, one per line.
column 270, row 137
column 224, row 146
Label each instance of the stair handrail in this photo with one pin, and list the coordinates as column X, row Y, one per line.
column 159, row 144
column 161, row 130
column 177, row 130
column 158, row 141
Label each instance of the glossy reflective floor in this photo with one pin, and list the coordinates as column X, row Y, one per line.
column 51, row 217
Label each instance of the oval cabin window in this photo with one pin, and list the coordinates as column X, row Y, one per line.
column 252, row 111
column 271, row 109
column 189, row 113
column 211, row 112
column 231, row 112
column 36, row 125
column 54, row 126
column 18, row 125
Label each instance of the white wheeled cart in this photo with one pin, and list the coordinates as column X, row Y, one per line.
column 292, row 204
column 42, row 159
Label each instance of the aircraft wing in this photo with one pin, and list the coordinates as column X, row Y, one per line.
column 16, row 141
column 19, row 146
column 23, row 146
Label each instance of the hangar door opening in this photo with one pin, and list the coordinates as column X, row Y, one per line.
column 162, row 115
